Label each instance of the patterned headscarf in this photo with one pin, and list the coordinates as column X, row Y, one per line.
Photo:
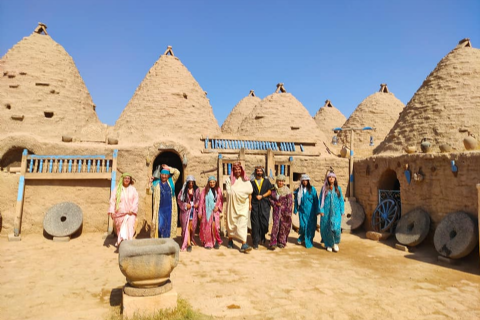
column 243, row 175
column 283, row 190
column 118, row 195
column 326, row 186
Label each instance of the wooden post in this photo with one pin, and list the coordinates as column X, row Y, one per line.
column 351, row 165
column 270, row 164
column 290, row 174
column 20, row 198
column 221, row 184
column 112, row 188
column 241, row 157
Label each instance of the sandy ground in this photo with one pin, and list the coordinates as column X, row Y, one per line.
column 41, row 279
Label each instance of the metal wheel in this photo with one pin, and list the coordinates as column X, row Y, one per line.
column 385, row 215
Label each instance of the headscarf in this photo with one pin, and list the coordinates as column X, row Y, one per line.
column 118, row 195
column 165, row 171
column 187, row 180
column 326, row 186
column 300, row 191
column 212, row 178
column 243, row 175
column 283, row 190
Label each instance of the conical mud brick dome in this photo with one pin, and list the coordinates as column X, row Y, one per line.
column 241, row 110
column 380, row 111
column 43, row 94
column 169, row 105
column 446, row 106
column 281, row 116
column 329, row 117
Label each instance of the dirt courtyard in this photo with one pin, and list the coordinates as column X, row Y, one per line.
column 41, row 279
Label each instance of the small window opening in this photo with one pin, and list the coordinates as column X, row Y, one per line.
column 48, row 114
column 295, row 128
column 8, row 106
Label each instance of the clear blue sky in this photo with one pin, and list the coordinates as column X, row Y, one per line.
column 337, row 50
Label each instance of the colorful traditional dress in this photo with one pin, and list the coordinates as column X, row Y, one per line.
column 281, row 200
column 260, row 214
column 238, row 191
column 208, row 202
column 307, row 209
column 187, row 215
column 164, row 221
column 331, row 222
column 128, row 203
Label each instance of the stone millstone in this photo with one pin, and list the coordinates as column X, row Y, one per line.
column 63, row 219
column 413, row 227
column 456, row 235
column 354, row 215
column 147, row 292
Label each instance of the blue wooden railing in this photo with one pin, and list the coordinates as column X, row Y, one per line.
column 222, row 144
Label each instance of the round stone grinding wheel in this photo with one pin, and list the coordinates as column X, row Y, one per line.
column 413, row 227
column 354, row 215
column 63, row 219
column 456, row 235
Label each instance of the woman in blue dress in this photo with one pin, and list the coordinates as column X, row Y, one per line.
column 306, row 204
column 332, row 208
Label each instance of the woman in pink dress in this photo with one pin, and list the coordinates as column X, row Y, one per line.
column 188, row 200
column 124, row 208
column 211, row 205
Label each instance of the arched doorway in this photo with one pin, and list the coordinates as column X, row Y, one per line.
column 13, row 157
column 389, row 187
column 173, row 160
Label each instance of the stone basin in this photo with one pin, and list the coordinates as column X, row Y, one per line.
column 147, row 263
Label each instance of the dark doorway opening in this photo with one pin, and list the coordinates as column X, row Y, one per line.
column 389, row 187
column 13, row 157
column 173, row 160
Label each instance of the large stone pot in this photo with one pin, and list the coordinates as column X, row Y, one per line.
column 147, row 263
column 425, row 145
column 470, row 143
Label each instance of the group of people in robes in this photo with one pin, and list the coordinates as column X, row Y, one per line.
column 243, row 195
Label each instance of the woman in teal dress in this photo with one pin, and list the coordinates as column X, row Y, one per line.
column 306, row 204
column 331, row 210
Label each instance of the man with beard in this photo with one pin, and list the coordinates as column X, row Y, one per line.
column 260, row 206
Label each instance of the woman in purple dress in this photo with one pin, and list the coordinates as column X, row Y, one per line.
column 281, row 200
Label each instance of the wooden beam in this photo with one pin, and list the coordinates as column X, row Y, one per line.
column 68, row 176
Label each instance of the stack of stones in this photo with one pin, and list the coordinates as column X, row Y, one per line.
column 147, row 264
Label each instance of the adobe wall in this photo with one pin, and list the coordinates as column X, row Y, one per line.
column 440, row 192
column 93, row 195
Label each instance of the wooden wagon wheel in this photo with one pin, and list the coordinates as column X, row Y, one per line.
column 385, row 215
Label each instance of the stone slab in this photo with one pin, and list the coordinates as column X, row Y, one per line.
column 148, row 305
column 443, row 259
column 401, row 247
column 61, row 239
column 11, row 237
column 377, row 236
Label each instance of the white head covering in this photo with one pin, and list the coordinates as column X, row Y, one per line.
column 302, row 188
